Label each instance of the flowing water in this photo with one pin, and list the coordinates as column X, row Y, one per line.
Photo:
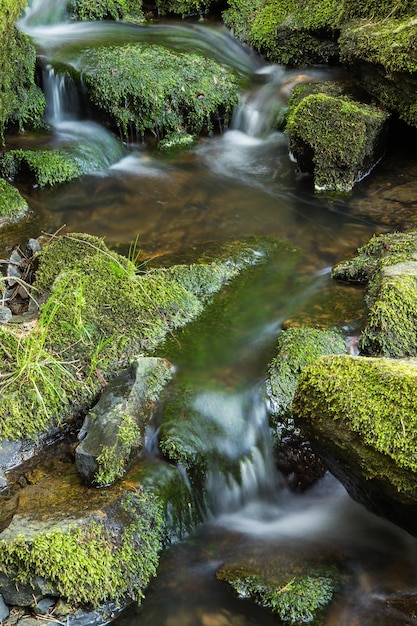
column 241, row 182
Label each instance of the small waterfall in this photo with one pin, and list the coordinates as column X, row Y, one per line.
column 61, row 95
column 236, row 438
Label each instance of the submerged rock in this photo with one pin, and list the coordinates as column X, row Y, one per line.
column 114, row 429
column 360, row 415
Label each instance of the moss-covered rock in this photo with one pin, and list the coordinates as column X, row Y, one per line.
column 22, row 102
column 130, row 10
column 86, row 546
column 114, row 429
column 388, row 265
column 294, row 595
column 151, row 89
column 296, row 348
column 12, row 205
column 383, row 56
column 335, row 138
column 99, row 313
column 360, row 414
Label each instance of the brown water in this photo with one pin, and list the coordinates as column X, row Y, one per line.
column 230, row 186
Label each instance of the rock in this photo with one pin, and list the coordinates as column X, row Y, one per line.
column 296, row 348
column 114, row 429
column 4, row 610
column 44, row 606
column 85, row 545
column 5, row 314
column 334, row 137
column 388, row 264
column 360, row 415
column 25, row 593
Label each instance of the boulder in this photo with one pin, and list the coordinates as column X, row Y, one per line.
column 360, row 415
column 114, row 429
column 388, row 265
column 335, row 138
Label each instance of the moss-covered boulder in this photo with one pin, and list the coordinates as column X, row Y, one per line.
column 296, row 348
column 383, row 57
column 296, row 592
column 96, row 312
column 12, row 205
column 360, row 414
column 388, row 265
column 333, row 137
column 84, row 546
column 143, row 88
column 22, row 102
column 114, row 430
column 130, row 10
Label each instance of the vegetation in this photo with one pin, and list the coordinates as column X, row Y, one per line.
column 129, row 10
column 99, row 313
column 44, row 167
column 12, row 204
column 296, row 348
column 297, row 600
column 92, row 562
column 387, row 263
column 378, row 404
column 22, row 103
column 148, row 88
column 339, row 158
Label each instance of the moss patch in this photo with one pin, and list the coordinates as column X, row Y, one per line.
column 130, row 10
column 21, row 102
column 335, row 138
column 96, row 561
column 149, row 88
column 295, row 600
column 296, row 348
column 374, row 398
column 99, row 313
column 12, row 205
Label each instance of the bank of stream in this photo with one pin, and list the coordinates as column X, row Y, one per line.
column 240, row 182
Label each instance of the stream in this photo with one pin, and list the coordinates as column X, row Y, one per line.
column 238, row 183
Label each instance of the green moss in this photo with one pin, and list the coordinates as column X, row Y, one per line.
column 99, row 313
column 296, row 348
column 298, row 600
column 335, row 137
column 184, row 8
column 391, row 43
column 111, row 464
column 21, row 102
column 45, row 167
column 130, row 10
column 381, row 251
column 374, row 398
column 148, row 88
column 92, row 563
column 12, row 204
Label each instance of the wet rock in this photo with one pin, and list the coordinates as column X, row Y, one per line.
column 24, row 594
column 388, row 265
column 84, row 545
column 44, row 606
column 360, row 415
column 114, row 429
column 5, row 314
column 334, row 137
column 4, row 610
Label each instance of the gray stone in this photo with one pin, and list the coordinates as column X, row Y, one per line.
column 5, row 314
column 4, row 610
column 125, row 404
column 24, row 593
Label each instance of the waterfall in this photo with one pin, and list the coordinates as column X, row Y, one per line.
column 234, row 434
